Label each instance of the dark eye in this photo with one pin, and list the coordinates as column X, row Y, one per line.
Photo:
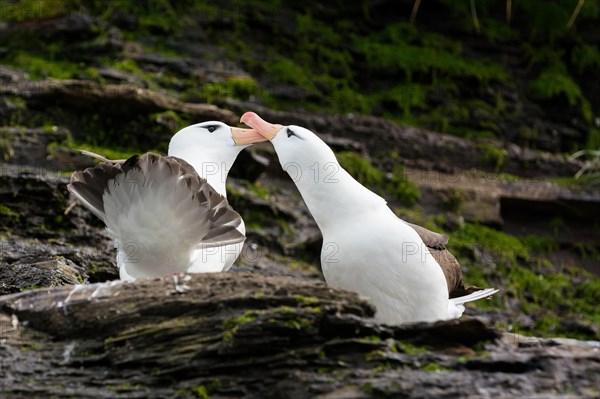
column 212, row 128
column 290, row 133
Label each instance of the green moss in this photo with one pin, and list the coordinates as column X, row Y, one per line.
column 360, row 168
column 242, row 87
column 500, row 246
column 26, row 10
column 584, row 180
column 231, row 326
column 295, row 324
column 31, row 346
column 492, row 258
column 593, row 139
column 588, row 251
column 200, row 392
column 228, row 336
column 492, row 154
column 259, row 189
column 307, row 300
column 239, row 87
column 368, row 388
column 548, row 290
column 554, row 82
column 433, row 368
column 171, row 119
column 410, row 349
column 395, row 184
column 390, row 49
column 498, row 31
column 127, row 65
column 39, row 67
column 453, row 199
column 371, row 338
column 30, row 287
column 9, row 215
column 405, row 97
column 285, row 70
column 298, row 319
column 123, row 387
column 585, row 57
column 539, row 244
column 245, row 318
column 6, row 147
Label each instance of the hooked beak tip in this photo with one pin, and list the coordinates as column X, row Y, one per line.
column 246, row 117
column 268, row 130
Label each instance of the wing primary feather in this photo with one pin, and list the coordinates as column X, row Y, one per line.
column 157, row 196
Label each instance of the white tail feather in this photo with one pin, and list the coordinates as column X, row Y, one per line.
column 474, row 296
column 456, row 305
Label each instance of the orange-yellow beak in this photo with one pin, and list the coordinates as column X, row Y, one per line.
column 266, row 129
column 246, row 136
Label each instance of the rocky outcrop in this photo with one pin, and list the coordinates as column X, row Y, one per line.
column 271, row 328
column 122, row 99
column 225, row 335
column 420, row 148
column 416, row 147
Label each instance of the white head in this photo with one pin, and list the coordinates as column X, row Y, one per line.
column 299, row 150
column 211, row 148
column 326, row 187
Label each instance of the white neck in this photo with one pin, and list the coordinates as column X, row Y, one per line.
column 331, row 194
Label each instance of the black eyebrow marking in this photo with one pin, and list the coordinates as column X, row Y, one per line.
column 291, row 133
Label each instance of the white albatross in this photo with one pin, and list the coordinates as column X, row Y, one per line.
column 366, row 247
column 169, row 214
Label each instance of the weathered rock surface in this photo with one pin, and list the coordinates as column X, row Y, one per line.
column 128, row 99
column 266, row 335
column 226, row 335
column 24, row 275
column 417, row 147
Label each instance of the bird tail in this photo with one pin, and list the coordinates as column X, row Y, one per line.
column 456, row 305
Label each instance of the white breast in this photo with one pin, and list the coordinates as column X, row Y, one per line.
column 381, row 258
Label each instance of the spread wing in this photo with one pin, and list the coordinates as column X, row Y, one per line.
column 158, row 196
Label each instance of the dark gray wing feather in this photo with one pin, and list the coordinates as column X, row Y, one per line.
column 210, row 220
column 89, row 185
column 436, row 242
column 430, row 238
